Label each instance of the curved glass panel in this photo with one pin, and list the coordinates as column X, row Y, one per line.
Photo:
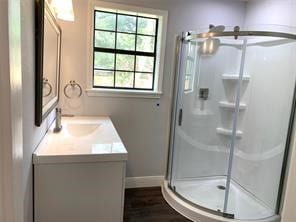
column 258, row 154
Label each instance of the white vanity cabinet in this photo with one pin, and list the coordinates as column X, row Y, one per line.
column 79, row 174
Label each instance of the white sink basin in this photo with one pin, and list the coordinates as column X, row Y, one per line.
column 81, row 129
column 81, row 139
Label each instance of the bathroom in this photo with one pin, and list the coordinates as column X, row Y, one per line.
column 143, row 118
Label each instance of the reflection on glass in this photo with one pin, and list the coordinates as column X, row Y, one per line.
column 189, row 66
column 192, row 49
column 50, row 62
column 47, row 88
column 187, row 85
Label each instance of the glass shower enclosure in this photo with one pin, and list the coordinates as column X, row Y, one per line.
column 232, row 121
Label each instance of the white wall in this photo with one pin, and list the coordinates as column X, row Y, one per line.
column 10, row 113
column 271, row 12
column 142, row 125
column 32, row 135
column 4, row 102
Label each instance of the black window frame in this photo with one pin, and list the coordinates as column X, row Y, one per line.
column 116, row 51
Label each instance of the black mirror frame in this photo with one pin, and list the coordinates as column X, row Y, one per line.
column 39, row 50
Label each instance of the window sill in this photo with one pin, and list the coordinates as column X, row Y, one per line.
column 123, row 93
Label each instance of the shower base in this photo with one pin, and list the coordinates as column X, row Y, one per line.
column 209, row 193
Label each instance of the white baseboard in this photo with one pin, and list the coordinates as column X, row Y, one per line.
column 149, row 181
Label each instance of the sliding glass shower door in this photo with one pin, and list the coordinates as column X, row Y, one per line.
column 205, row 114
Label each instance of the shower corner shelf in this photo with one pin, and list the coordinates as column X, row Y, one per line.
column 235, row 77
column 227, row 132
column 229, row 105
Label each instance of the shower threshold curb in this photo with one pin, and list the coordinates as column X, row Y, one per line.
column 198, row 215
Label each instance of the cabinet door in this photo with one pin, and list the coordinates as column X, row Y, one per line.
column 85, row 192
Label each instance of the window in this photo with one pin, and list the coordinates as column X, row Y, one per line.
column 124, row 51
column 127, row 49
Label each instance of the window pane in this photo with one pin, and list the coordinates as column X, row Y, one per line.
column 146, row 26
column 126, row 23
column 126, row 41
column 104, row 60
column 105, row 21
column 105, row 39
column 143, row 80
column 125, row 62
column 124, row 79
column 145, row 64
column 103, row 78
column 145, row 43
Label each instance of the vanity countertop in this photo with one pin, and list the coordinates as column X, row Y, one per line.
column 82, row 139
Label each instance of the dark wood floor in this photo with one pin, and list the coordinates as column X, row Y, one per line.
column 148, row 205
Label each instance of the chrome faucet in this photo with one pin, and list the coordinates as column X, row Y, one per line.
column 58, row 122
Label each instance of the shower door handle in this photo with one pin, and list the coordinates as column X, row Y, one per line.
column 180, row 117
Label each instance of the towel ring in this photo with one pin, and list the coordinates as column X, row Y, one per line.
column 72, row 84
column 46, row 83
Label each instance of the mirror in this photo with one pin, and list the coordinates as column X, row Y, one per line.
column 48, row 52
